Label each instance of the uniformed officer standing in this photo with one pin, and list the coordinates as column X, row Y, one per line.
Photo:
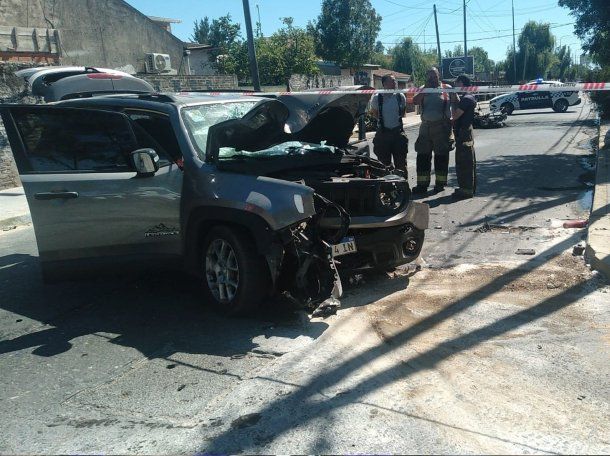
column 435, row 133
column 465, row 159
column 390, row 139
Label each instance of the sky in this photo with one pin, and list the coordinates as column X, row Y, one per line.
column 488, row 22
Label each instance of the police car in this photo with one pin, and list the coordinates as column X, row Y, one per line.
column 559, row 101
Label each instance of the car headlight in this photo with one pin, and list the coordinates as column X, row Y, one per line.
column 392, row 195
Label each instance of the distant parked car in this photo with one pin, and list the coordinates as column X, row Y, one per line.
column 63, row 83
column 536, row 99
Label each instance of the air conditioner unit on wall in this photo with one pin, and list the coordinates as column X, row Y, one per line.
column 158, row 63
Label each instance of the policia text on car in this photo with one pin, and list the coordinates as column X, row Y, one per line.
column 390, row 139
column 435, row 133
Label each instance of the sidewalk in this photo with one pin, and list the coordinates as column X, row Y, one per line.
column 14, row 209
column 598, row 242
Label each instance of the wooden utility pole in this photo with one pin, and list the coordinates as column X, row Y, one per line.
column 514, row 46
column 438, row 40
column 251, row 51
column 465, row 48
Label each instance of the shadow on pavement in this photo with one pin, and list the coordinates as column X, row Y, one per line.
column 294, row 410
column 539, row 181
column 157, row 313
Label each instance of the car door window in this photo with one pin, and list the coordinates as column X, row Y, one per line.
column 70, row 140
column 155, row 131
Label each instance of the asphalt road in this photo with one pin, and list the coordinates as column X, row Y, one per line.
column 482, row 351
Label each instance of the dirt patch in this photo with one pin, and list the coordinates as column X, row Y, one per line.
column 468, row 289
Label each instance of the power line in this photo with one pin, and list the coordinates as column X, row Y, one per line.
column 483, row 39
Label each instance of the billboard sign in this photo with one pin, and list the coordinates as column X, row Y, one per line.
column 456, row 66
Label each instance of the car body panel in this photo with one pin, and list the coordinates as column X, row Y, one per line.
column 97, row 217
column 123, row 214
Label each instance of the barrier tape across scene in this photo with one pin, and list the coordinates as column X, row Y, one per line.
column 565, row 87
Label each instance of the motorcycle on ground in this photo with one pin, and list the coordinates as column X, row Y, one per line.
column 494, row 119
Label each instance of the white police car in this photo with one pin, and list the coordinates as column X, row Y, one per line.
column 559, row 101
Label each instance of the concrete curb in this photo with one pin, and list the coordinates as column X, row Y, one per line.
column 14, row 210
column 598, row 239
column 14, row 222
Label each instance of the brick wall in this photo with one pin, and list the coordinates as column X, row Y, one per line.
column 304, row 82
column 173, row 83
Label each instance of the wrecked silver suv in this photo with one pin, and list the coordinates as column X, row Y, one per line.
column 257, row 196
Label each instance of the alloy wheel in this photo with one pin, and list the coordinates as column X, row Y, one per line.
column 222, row 270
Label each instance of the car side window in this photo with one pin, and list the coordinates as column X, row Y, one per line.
column 70, row 140
column 155, row 131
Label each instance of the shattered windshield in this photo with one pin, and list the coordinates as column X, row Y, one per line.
column 198, row 119
column 295, row 148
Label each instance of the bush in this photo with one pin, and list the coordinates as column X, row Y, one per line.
column 602, row 99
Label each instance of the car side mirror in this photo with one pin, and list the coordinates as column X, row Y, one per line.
column 145, row 162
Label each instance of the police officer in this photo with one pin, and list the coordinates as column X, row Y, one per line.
column 435, row 133
column 390, row 139
column 465, row 159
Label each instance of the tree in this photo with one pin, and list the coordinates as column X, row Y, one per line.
column 222, row 32
column 405, row 56
column 345, row 31
column 410, row 59
column 458, row 51
column 563, row 62
column 592, row 26
column 482, row 62
column 290, row 50
column 535, row 55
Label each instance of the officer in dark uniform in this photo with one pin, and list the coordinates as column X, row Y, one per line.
column 465, row 159
column 390, row 139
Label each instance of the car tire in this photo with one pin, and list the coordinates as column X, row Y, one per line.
column 235, row 275
column 561, row 105
column 508, row 108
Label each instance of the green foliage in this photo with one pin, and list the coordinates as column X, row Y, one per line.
column 290, row 50
column 345, row 31
column 458, row 51
column 602, row 99
column 562, row 63
column 222, row 32
column 535, row 55
column 409, row 58
column 405, row 55
column 482, row 62
column 592, row 26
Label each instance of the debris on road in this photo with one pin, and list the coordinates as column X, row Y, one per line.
column 579, row 249
column 576, row 224
column 327, row 308
column 525, row 252
column 246, row 421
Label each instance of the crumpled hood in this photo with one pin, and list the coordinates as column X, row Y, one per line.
column 308, row 118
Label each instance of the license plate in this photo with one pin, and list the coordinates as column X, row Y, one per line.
column 345, row 247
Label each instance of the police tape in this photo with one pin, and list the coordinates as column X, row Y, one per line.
column 566, row 87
